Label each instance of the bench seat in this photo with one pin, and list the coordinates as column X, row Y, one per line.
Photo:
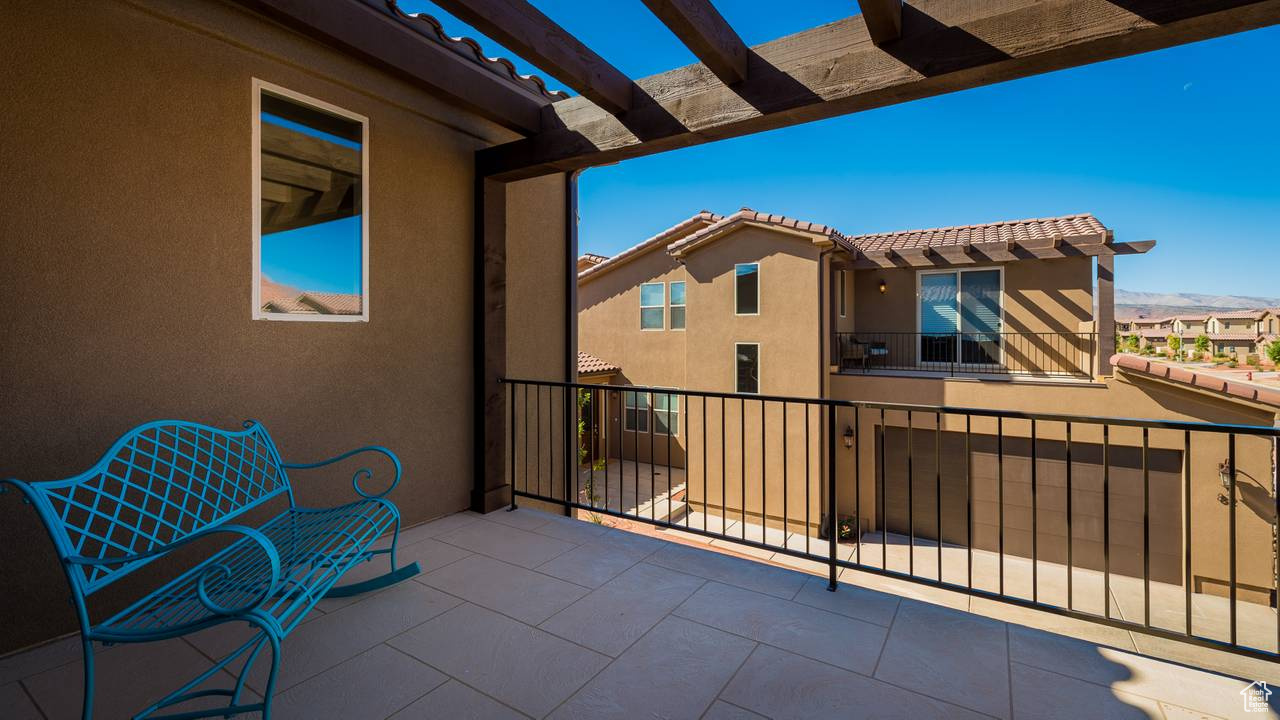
column 315, row 546
column 192, row 498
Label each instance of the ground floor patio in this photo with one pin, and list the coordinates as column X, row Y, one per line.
column 532, row 614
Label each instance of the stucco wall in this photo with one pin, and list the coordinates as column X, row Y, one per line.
column 126, row 297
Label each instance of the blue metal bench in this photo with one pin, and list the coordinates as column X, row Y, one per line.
column 167, row 484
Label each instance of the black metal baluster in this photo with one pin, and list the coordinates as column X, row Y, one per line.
column 911, row 503
column 857, row 484
column 671, row 398
column 1070, row 535
column 724, row 496
column 591, row 450
column 968, row 492
column 537, row 435
column 937, row 465
column 831, row 496
column 884, row 497
column 1231, row 525
column 1000, row 491
column 808, row 451
column 1035, row 561
column 1106, row 521
column 605, row 394
column 1186, row 530
column 706, row 459
column 653, row 500
column 784, row 475
column 1146, row 527
column 764, row 479
column 512, row 390
column 742, row 462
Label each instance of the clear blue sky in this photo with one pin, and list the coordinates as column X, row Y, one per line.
column 1181, row 146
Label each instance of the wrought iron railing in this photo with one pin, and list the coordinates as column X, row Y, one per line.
column 1005, row 353
column 1164, row 527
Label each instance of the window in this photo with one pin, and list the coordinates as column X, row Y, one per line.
column 960, row 316
column 310, row 228
column 746, row 289
column 636, row 414
column 652, row 305
column 677, row 305
column 748, row 366
column 842, row 308
column 666, row 413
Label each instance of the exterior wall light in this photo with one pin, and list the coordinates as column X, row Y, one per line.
column 848, row 437
column 884, row 287
column 1224, row 473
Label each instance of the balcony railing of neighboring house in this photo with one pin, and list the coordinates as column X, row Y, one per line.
column 1043, row 353
column 1164, row 527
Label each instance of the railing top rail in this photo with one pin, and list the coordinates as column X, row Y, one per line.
column 1221, row 428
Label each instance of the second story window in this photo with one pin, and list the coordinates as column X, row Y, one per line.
column 652, row 306
column 746, row 289
column 747, row 356
column 677, row 305
column 842, row 291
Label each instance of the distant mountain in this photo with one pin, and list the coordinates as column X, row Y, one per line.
column 1131, row 304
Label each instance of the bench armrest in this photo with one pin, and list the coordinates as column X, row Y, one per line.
column 214, row 569
column 365, row 473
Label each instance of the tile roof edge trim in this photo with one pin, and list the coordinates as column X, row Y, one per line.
column 1222, row 387
column 647, row 245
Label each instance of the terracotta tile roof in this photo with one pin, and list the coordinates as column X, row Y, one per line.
column 592, row 365
column 703, row 217
column 1201, row 380
column 432, row 31
column 1190, row 318
column 332, row 303
column 1233, row 336
column 1041, row 230
column 1154, row 332
column 747, row 215
column 1240, row 315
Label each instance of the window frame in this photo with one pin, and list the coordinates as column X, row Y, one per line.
column 672, row 397
column 759, row 369
column 735, row 290
column 648, row 410
column 662, row 307
column 258, row 88
column 958, row 272
column 671, row 305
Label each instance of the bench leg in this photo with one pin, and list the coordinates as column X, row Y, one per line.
column 87, row 707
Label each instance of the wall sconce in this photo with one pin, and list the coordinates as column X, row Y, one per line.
column 884, row 287
column 848, row 437
column 1224, row 474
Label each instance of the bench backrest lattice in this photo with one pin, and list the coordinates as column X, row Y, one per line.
column 158, row 484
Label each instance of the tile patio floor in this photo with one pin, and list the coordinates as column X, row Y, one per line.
column 529, row 614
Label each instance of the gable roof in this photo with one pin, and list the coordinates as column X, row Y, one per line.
column 1005, row 231
column 703, row 217
column 747, row 215
column 1240, row 315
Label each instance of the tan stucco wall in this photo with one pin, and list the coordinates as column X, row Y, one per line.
column 126, row 295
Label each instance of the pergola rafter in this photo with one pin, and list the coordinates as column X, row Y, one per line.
column 883, row 19
column 707, row 35
column 838, row 69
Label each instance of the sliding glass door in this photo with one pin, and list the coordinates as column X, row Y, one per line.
column 960, row 318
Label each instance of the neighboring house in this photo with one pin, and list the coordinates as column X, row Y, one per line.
column 1004, row 316
column 1188, row 327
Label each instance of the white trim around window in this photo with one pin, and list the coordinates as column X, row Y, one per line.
column 756, row 265
column 661, row 307
column 258, row 88
column 737, row 385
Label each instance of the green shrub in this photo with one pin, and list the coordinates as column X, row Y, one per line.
column 1232, row 363
column 1254, row 360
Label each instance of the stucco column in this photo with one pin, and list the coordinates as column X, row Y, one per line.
column 491, row 489
column 1105, row 321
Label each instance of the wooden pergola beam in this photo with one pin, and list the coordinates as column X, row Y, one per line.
column 707, row 35
column 537, row 38
column 836, row 69
column 883, row 19
column 373, row 34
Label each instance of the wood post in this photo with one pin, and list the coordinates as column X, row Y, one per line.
column 491, row 489
column 1105, row 321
